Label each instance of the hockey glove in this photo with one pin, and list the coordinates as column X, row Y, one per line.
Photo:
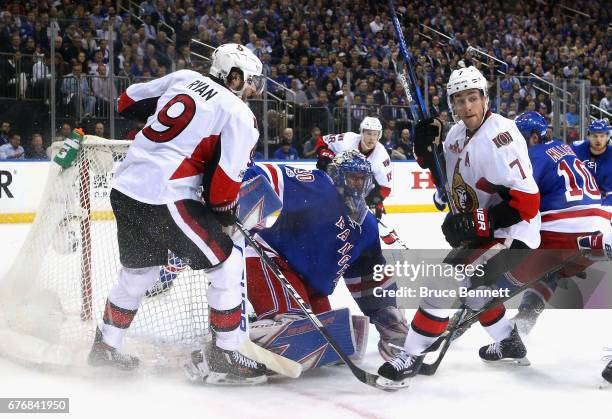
column 469, row 227
column 425, row 133
column 374, row 201
column 325, row 158
column 226, row 215
column 440, row 199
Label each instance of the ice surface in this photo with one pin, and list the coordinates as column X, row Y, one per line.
column 565, row 348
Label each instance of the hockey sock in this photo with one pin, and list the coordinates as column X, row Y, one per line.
column 496, row 323
column 225, row 299
column 427, row 325
column 123, row 302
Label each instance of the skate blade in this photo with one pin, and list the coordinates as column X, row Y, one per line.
column 604, row 385
column 519, row 362
column 390, row 385
column 224, row 379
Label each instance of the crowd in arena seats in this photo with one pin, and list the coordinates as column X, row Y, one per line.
column 321, row 54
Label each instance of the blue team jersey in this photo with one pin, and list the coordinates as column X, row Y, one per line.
column 600, row 166
column 314, row 232
column 570, row 200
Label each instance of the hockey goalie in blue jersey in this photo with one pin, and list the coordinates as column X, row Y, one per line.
column 324, row 232
column 596, row 153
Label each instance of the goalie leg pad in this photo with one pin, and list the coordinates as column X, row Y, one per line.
column 294, row 337
column 269, row 297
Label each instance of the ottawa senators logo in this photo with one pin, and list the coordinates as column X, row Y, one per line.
column 464, row 196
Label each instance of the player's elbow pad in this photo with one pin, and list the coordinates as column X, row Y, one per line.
column 139, row 111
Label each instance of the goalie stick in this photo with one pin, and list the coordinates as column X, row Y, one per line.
column 362, row 375
column 466, row 321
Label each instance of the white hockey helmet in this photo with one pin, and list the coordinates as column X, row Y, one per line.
column 466, row 79
column 228, row 56
column 371, row 123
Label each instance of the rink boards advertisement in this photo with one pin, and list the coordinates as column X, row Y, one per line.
column 22, row 185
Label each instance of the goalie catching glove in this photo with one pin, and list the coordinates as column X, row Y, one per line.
column 469, row 227
column 426, row 132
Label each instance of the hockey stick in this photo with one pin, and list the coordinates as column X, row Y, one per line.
column 418, row 109
column 467, row 321
column 362, row 375
column 273, row 361
column 391, row 233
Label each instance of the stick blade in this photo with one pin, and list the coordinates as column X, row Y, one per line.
column 273, row 361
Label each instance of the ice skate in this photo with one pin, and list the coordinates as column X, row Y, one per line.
column 510, row 349
column 103, row 355
column 223, row 367
column 397, row 372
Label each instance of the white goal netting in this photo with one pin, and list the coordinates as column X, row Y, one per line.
column 53, row 295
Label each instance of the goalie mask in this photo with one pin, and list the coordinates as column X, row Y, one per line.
column 352, row 177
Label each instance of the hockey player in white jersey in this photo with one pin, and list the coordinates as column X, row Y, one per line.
column 492, row 188
column 199, row 133
column 367, row 143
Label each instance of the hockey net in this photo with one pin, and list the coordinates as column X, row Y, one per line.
column 53, row 295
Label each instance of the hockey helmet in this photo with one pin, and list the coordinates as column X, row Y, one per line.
column 235, row 56
column 466, row 79
column 530, row 122
column 371, row 123
column 599, row 126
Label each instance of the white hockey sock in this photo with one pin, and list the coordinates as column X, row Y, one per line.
column 416, row 343
column 123, row 301
column 432, row 322
column 501, row 329
column 225, row 298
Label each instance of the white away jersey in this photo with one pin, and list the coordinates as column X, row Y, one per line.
column 495, row 158
column 200, row 134
column 378, row 158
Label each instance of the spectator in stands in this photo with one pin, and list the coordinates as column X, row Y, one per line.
column 606, row 102
column 309, row 148
column 572, row 118
column 435, row 107
column 97, row 61
column 64, row 132
column 99, row 129
column 5, row 130
column 384, row 96
column 36, row 151
column 75, row 87
column 296, row 95
column 389, row 141
column 41, row 76
column 103, row 89
column 138, row 67
column 404, row 146
column 13, row 150
column 285, row 151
